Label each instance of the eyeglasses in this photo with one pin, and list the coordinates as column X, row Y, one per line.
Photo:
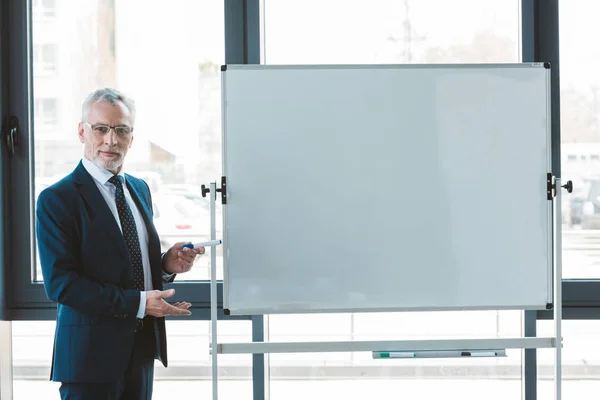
column 101, row 129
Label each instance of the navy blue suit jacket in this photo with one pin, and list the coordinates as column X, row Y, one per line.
column 88, row 272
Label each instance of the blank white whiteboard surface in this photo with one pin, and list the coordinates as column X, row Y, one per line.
column 384, row 187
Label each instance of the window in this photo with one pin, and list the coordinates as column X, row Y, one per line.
column 580, row 360
column 44, row 9
column 170, row 65
column 46, row 113
column 187, row 377
column 580, row 138
column 173, row 74
column 44, row 56
column 154, row 61
column 392, row 32
column 357, row 375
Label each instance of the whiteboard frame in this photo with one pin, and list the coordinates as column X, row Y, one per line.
column 555, row 292
column 550, row 226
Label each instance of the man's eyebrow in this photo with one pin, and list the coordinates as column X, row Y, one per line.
column 104, row 123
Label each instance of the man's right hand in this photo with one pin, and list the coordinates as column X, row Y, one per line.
column 158, row 307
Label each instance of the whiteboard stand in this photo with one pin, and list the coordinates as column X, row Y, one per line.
column 554, row 193
column 259, row 102
column 213, row 293
column 558, row 286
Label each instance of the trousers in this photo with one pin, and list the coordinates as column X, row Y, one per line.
column 137, row 383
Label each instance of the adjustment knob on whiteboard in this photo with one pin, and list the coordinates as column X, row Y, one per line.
column 205, row 190
column 568, row 186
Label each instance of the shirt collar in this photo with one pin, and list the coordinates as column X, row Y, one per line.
column 100, row 175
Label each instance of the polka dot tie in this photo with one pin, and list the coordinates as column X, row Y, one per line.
column 129, row 232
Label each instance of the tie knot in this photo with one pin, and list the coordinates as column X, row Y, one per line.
column 116, row 180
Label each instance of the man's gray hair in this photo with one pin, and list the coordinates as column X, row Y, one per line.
column 110, row 96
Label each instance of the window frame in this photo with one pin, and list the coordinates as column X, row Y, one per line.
column 242, row 45
column 21, row 298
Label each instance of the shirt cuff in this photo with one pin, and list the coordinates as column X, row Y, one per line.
column 142, row 308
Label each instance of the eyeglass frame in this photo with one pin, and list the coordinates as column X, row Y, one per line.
column 113, row 128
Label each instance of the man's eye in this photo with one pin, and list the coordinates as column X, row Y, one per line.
column 101, row 129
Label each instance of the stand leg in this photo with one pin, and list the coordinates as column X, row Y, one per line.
column 558, row 291
column 213, row 293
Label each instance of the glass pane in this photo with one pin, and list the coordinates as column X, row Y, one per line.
column 580, row 138
column 169, row 63
column 45, row 59
column 43, row 9
column 580, row 360
column 357, row 375
column 392, row 31
column 32, row 344
column 188, row 376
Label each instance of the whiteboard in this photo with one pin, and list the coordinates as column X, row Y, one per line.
column 386, row 188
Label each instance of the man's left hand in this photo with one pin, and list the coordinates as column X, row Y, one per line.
column 178, row 259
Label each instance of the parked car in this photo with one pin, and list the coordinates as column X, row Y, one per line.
column 590, row 216
column 191, row 193
column 575, row 213
column 178, row 219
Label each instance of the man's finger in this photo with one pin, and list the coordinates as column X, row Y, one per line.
column 179, row 245
column 187, row 258
column 183, row 263
column 177, row 311
column 182, row 304
column 167, row 293
column 188, row 254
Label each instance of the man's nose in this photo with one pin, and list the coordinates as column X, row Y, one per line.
column 111, row 137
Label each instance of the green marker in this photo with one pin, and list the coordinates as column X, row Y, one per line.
column 396, row 354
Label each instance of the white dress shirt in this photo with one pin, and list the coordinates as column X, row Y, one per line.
column 107, row 189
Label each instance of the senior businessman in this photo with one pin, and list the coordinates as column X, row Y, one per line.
column 102, row 263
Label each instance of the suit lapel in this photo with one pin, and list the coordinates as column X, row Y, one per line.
column 99, row 211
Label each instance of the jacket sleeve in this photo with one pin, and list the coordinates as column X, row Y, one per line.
column 61, row 261
column 166, row 277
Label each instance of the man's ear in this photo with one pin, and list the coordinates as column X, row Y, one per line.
column 130, row 143
column 80, row 132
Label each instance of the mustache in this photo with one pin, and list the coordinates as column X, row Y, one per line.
column 110, row 150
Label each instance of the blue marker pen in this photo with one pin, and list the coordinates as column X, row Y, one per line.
column 203, row 244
